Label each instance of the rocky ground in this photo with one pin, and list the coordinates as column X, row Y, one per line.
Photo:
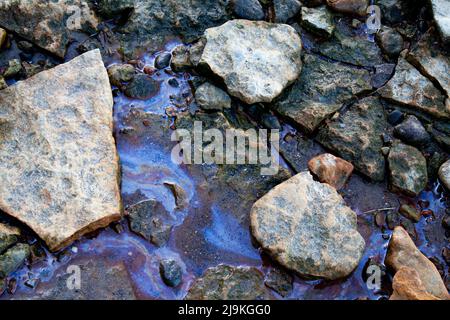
column 87, row 180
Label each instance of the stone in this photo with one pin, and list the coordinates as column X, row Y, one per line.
column 279, row 281
column 330, row 169
column 407, row 170
column 306, row 227
column 141, row 87
column 402, row 252
column 14, row 69
column 395, row 117
column 356, row 137
column 383, row 73
column 162, row 61
column 356, row 7
column 410, row 88
column 3, row 83
column 411, row 131
column 8, row 236
column 209, row 97
column 390, row 41
column 120, row 73
column 171, row 272
column 441, row 13
column 114, row 8
column 444, row 174
column 181, row 58
column 410, row 212
column 318, row 21
column 48, row 24
column 13, row 259
column 321, row 90
column 151, row 220
column 408, row 286
column 3, row 37
column 63, row 180
column 286, row 10
column 196, row 51
column 229, row 283
column 392, row 11
column 257, row 60
column 248, row 9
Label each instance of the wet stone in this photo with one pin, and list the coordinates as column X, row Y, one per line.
column 8, row 236
column 248, row 9
column 162, row 61
column 13, row 69
column 383, row 74
column 390, row 41
column 330, row 169
column 120, row 73
column 441, row 11
column 171, row 272
column 395, row 117
column 280, row 281
column 3, row 37
column 141, row 87
column 13, row 259
column 410, row 212
column 411, row 131
column 444, row 174
column 407, row 285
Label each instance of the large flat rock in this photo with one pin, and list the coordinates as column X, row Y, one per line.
column 256, row 60
column 58, row 161
column 306, row 227
column 441, row 13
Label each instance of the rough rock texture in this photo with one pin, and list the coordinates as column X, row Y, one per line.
column 8, row 236
column 357, row 7
column 256, row 60
column 407, row 169
column 320, row 91
column 13, row 258
column 330, row 169
column 412, row 132
column 409, row 87
column 402, row 252
column 306, row 227
column 390, row 41
column 209, row 97
column 58, row 162
column 408, row 286
column 279, row 281
column 229, row 283
column 441, row 12
column 356, row 137
column 120, row 73
column 318, row 20
column 248, row 9
column 171, row 272
column 444, row 174
column 48, row 24
column 286, row 9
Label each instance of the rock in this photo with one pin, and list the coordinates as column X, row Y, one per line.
column 286, row 9
column 408, row 286
column 229, row 283
column 444, row 174
column 48, row 24
column 318, row 20
column 395, row 117
column 248, row 9
column 8, row 237
column 356, row 7
column 114, row 8
column 403, row 253
column 162, row 61
column 3, row 83
column 409, row 87
column 210, row 97
column 196, row 51
column 13, row 259
column 390, row 41
column 330, row 169
column 441, row 12
column 120, row 73
column 151, row 220
column 141, row 87
column 256, row 60
column 411, row 131
column 383, row 73
column 63, row 180
column 320, row 91
column 279, row 281
column 306, row 227
column 181, row 58
column 171, row 272
column 410, row 212
column 3, row 37
column 13, row 70
column 407, row 170
column 356, row 137
column 392, row 11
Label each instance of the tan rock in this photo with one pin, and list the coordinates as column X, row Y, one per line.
column 408, row 286
column 402, row 252
column 58, row 161
column 357, row 7
column 330, row 169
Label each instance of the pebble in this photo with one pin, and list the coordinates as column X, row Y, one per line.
column 162, row 61
column 171, row 272
column 248, row 9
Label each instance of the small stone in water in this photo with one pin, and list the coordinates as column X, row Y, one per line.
column 171, row 272
column 163, row 60
column 141, row 87
column 410, row 212
column 174, row 82
column 380, row 219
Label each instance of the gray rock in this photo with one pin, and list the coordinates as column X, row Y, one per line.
column 444, row 174
column 441, row 13
column 162, row 61
column 318, row 20
column 63, row 180
column 229, row 283
column 279, row 281
column 257, row 60
column 409, row 87
column 8, row 237
column 120, row 73
column 356, row 137
column 209, row 97
column 390, row 41
column 13, row 259
column 320, row 91
column 171, row 272
column 248, row 9
column 383, row 73
column 407, row 169
column 306, row 227
column 411, row 131
column 141, row 87
column 181, row 58
column 286, row 9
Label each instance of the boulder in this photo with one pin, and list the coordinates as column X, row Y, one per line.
column 441, row 13
column 402, row 252
column 407, row 170
column 356, row 137
column 330, row 169
column 63, row 179
column 444, row 174
column 306, row 227
column 408, row 286
column 257, row 60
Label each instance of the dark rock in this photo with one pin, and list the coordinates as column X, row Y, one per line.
column 141, row 87
column 248, row 9
column 410, row 212
column 286, row 9
column 318, row 21
column 411, row 131
column 280, row 281
column 171, row 272
column 162, row 61
column 13, row 259
column 392, row 220
column 390, row 41
column 114, row 8
column 120, row 73
column 395, row 117
column 173, row 82
column 8, row 237
column 25, row 46
column 270, row 121
column 383, row 73
column 446, row 222
column 446, row 255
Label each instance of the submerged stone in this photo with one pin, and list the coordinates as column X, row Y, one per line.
column 63, row 179
column 171, row 272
